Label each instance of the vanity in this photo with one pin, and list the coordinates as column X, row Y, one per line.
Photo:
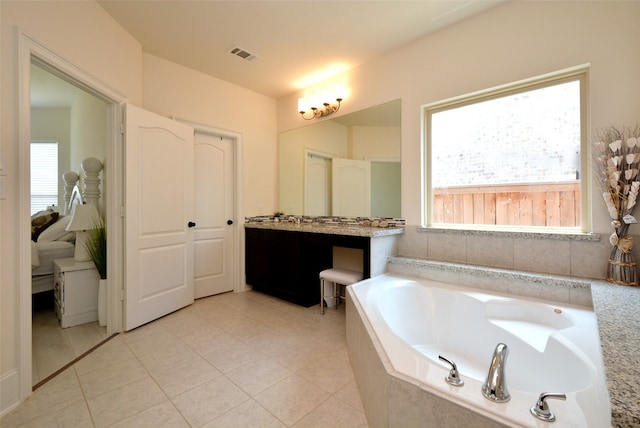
column 284, row 259
column 343, row 176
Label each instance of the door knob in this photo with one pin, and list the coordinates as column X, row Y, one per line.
column 191, row 224
column 229, row 222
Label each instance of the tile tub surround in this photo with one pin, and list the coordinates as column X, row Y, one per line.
column 582, row 255
column 616, row 309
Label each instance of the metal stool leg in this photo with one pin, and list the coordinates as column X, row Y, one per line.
column 322, row 296
column 339, row 291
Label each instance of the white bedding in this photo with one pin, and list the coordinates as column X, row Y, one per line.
column 48, row 252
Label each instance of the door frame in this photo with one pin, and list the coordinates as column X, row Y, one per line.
column 239, row 280
column 30, row 49
column 305, row 168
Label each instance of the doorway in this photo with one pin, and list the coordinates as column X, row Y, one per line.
column 114, row 182
column 32, row 52
column 218, row 237
column 213, row 242
column 317, row 183
column 76, row 121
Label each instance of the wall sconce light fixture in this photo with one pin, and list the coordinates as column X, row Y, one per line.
column 324, row 105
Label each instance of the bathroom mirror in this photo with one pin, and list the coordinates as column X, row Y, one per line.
column 347, row 166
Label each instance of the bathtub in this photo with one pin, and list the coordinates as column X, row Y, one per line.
column 410, row 322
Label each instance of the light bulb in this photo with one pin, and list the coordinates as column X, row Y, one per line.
column 314, row 101
column 303, row 105
column 327, row 97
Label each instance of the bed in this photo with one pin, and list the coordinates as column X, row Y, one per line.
column 49, row 238
column 49, row 241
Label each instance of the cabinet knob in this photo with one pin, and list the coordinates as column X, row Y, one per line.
column 191, row 224
column 229, row 222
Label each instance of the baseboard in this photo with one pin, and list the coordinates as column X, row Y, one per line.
column 9, row 391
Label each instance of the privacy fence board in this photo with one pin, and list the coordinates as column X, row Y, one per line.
column 548, row 204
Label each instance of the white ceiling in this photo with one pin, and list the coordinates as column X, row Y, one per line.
column 297, row 42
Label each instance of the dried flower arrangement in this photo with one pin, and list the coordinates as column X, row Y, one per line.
column 617, row 161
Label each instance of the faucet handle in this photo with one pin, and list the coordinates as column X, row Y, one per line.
column 541, row 409
column 453, row 378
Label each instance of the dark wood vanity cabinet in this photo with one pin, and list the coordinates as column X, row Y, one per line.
column 286, row 264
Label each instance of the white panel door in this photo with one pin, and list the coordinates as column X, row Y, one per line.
column 351, row 187
column 317, row 185
column 159, row 205
column 214, row 202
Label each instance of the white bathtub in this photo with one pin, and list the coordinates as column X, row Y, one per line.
column 552, row 348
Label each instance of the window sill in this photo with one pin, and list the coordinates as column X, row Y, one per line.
column 522, row 234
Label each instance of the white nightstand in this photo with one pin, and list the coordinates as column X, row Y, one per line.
column 76, row 291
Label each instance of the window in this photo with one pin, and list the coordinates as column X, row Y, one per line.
column 509, row 158
column 44, row 175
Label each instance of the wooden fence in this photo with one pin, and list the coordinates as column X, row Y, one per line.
column 523, row 205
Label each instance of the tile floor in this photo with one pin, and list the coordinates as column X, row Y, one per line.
column 232, row 360
column 53, row 346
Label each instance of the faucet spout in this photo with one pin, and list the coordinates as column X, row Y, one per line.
column 495, row 386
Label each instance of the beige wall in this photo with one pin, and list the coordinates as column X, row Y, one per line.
column 84, row 34
column 173, row 90
column 54, row 124
column 375, row 142
column 88, row 130
column 80, row 130
column 511, row 42
column 329, row 138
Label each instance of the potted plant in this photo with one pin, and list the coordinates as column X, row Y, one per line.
column 97, row 249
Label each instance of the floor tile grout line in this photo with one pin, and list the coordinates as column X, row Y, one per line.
column 72, row 363
column 84, row 396
column 155, row 382
column 278, row 319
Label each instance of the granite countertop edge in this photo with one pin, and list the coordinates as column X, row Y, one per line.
column 328, row 229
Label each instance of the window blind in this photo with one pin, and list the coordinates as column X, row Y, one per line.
column 44, row 175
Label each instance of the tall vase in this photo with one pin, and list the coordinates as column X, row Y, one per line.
column 102, row 302
column 622, row 269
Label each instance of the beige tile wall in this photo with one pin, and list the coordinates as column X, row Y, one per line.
column 585, row 258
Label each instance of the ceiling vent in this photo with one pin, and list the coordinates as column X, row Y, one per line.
column 242, row 53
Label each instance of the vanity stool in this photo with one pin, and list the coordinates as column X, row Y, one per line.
column 340, row 278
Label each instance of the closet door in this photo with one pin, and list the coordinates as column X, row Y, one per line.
column 351, row 187
column 213, row 233
column 159, row 216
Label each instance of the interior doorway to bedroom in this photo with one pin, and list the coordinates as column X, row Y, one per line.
column 77, row 121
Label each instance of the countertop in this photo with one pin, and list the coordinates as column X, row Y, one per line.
column 331, row 229
column 617, row 308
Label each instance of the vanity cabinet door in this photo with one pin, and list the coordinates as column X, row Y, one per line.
column 317, row 251
column 257, row 253
column 287, row 266
column 273, row 262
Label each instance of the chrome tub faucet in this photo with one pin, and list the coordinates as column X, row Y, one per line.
column 495, row 386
